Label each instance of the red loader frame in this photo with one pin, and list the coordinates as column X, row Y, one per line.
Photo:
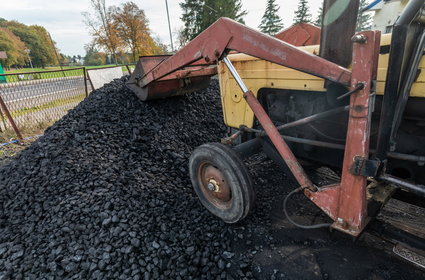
column 346, row 202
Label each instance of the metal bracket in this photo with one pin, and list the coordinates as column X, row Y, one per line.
column 365, row 167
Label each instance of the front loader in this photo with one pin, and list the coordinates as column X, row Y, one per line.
column 354, row 103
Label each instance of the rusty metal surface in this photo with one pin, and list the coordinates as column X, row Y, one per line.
column 9, row 117
column 302, row 34
column 220, row 195
column 353, row 212
column 346, row 203
column 230, row 35
column 195, row 76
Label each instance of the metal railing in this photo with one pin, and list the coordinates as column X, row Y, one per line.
column 32, row 101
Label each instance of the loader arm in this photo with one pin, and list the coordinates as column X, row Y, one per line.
column 225, row 35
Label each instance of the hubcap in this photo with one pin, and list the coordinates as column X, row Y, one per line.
column 214, row 185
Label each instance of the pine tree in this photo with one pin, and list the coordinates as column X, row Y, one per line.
column 198, row 15
column 214, row 9
column 319, row 18
column 191, row 17
column 271, row 23
column 302, row 14
column 364, row 20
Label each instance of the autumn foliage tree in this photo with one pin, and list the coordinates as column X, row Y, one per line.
column 122, row 29
column 13, row 46
column 17, row 37
column 47, row 50
column 102, row 27
column 93, row 55
column 132, row 27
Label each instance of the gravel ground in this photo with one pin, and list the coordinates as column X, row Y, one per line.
column 105, row 194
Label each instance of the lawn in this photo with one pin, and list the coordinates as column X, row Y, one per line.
column 42, row 75
column 46, row 75
column 50, row 68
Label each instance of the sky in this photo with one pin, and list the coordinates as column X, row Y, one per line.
column 63, row 19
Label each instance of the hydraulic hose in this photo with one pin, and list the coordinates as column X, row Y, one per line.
column 285, row 202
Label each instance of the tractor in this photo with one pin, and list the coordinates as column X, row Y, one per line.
column 355, row 102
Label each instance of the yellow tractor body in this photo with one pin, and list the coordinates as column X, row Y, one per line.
column 258, row 74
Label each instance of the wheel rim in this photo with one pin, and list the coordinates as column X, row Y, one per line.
column 214, row 185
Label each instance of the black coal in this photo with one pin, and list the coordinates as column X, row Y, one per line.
column 105, row 193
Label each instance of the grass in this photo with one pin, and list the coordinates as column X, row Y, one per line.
column 24, row 70
column 124, row 68
column 36, row 76
column 51, row 104
column 46, row 75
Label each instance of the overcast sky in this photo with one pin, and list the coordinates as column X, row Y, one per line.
column 63, row 18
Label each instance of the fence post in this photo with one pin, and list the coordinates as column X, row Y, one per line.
column 128, row 69
column 85, row 81
column 2, row 119
column 91, row 83
column 9, row 116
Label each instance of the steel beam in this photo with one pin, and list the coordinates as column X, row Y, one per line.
column 346, row 203
column 225, row 35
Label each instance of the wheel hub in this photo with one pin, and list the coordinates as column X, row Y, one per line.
column 214, row 184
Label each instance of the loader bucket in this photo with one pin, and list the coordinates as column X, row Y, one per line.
column 191, row 78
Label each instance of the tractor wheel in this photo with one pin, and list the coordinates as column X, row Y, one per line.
column 221, row 181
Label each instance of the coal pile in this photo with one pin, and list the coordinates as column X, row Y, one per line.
column 105, row 193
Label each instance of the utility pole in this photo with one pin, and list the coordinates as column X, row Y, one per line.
column 29, row 57
column 56, row 52
column 169, row 26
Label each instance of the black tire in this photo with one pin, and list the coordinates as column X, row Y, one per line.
column 228, row 169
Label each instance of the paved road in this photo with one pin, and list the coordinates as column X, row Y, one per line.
column 28, row 94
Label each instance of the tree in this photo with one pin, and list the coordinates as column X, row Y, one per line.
column 212, row 10
column 103, row 27
column 198, row 15
column 34, row 38
column 271, row 23
column 132, row 26
column 13, row 46
column 48, row 48
column 93, row 56
column 302, row 14
column 319, row 18
column 65, row 59
column 364, row 20
column 191, row 17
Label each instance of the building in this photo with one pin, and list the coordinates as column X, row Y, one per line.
column 386, row 13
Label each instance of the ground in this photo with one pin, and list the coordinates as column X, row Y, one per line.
column 105, row 194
